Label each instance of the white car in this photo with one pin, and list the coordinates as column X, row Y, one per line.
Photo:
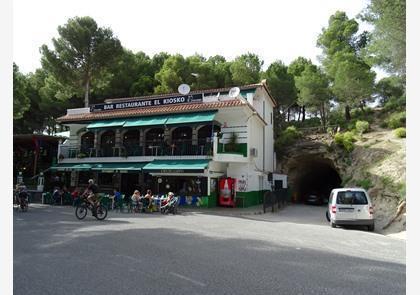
column 350, row 206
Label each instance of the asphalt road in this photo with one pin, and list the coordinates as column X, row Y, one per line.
column 200, row 253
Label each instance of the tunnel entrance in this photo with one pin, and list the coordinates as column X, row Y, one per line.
column 312, row 180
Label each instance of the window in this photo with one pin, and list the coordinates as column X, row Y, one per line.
column 352, row 198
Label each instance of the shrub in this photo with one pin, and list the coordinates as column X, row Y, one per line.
column 362, row 126
column 232, row 145
column 400, row 132
column 311, row 122
column 396, row 120
column 364, row 183
column 287, row 137
column 345, row 140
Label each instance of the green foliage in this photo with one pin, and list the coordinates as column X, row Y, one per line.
column 345, row 140
column 362, row 126
column 339, row 35
column 387, row 181
column 314, row 92
column 353, row 79
column 246, row 69
column 21, row 102
column 400, row 132
column 364, row 183
column 390, row 88
column 387, row 46
column 395, row 104
column 81, row 56
column 311, row 122
column 286, row 138
column 401, row 187
column 281, row 83
column 396, row 120
column 232, row 145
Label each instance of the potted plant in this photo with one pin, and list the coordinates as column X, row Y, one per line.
column 81, row 155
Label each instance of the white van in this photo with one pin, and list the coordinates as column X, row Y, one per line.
column 350, row 206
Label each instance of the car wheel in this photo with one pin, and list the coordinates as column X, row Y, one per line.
column 327, row 215
column 371, row 227
column 333, row 225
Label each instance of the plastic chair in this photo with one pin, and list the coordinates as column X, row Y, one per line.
column 194, row 201
column 182, row 201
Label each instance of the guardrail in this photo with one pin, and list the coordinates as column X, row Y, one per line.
column 274, row 199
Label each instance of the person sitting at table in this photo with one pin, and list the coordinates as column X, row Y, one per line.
column 147, row 200
column 57, row 194
column 75, row 196
column 116, row 197
column 136, row 198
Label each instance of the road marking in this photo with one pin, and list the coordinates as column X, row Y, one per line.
column 188, row 279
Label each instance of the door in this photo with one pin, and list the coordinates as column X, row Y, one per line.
column 345, row 207
column 361, row 205
column 129, row 183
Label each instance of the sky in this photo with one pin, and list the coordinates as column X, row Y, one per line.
column 275, row 30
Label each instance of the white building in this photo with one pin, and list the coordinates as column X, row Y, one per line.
column 174, row 142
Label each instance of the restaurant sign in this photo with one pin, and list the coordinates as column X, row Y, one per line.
column 147, row 102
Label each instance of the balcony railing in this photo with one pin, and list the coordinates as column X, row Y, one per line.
column 151, row 149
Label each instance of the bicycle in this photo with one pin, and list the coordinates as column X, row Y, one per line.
column 22, row 204
column 84, row 206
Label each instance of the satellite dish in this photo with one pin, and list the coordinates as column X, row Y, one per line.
column 184, row 89
column 234, row 92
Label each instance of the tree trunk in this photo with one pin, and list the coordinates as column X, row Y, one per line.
column 87, row 93
column 299, row 114
column 362, row 103
column 303, row 113
column 348, row 116
column 288, row 115
column 322, row 114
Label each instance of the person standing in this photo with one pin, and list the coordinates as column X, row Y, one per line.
column 116, row 197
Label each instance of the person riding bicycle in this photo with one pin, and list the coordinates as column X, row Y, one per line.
column 92, row 193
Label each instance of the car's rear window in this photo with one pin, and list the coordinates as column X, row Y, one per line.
column 352, row 198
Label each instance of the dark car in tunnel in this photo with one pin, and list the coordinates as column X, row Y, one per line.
column 314, row 199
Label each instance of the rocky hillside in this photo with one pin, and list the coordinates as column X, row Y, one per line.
column 378, row 164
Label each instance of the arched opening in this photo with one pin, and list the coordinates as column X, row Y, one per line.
column 182, row 140
column 154, row 141
column 87, row 142
column 107, row 143
column 313, row 179
column 131, row 142
column 204, row 136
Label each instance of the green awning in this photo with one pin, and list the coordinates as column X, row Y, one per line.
column 177, row 166
column 146, row 121
column 119, row 166
column 100, row 167
column 106, row 124
column 191, row 118
column 70, row 167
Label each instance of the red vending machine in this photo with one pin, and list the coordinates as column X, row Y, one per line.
column 227, row 192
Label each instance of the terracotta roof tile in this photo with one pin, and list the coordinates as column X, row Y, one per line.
column 158, row 110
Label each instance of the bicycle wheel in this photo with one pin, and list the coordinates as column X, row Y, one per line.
column 81, row 211
column 101, row 212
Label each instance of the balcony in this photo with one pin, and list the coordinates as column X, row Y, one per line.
column 149, row 151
